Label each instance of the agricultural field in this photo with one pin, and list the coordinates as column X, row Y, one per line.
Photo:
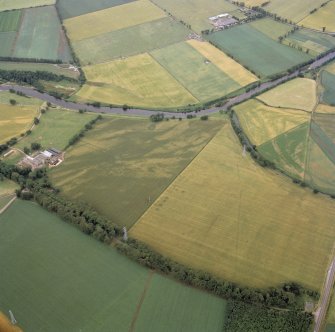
column 255, row 50
column 137, row 80
column 327, row 123
column 328, row 84
column 271, row 28
column 9, row 21
column 299, row 93
column 196, row 12
column 122, row 165
column 41, row 36
column 6, row 325
column 7, row 187
column 120, row 17
column 6, row 96
column 97, row 303
column 204, row 80
column 324, row 17
column 262, row 123
column 224, row 214
column 18, row 4
column 7, row 41
column 325, row 109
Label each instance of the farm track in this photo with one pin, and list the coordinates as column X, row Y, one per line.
column 147, row 113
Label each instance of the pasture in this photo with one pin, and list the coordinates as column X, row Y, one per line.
column 103, row 289
column 111, row 19
column 299, row 93
column 41, row 36
column 262, row 123
column 137, row 80
column 126, row 42
column 271, row 28
column 122, row 165
column 72, row 8
column 257, row 51
column 6, row 96
column 7, row 41
column 230, row 67
column 7, row 187
column 18, row 4
column 324, row 17
column 9, row 21
column 224, row 214
column 328, row 84
column 196, row 12
column 327, row 123
column 203, row 79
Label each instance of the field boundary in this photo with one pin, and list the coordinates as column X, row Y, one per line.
column 8, row 205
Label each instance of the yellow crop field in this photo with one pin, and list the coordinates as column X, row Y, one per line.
column 262, row 123
column 323, row 17
column 226, row 215
column 6, row 325
column 18, row 4
column 230, row 67
column 331, row 68
column 252, row 3
column 322, row 108
column 137, row 80
column 15, row 120
column 299, row 93
column 111, row 19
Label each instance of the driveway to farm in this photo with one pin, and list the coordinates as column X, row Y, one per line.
column 146, row 113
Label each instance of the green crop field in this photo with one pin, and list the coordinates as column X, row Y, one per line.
column 122, row 165
column 18, row 4
column 6, row 41
column 72, row 8
column 41, row 36
column 6, row 96
column 126, row 42
column 204, row 80
column 102, row 291
column 4, row 200
column 326, row 123
column 227, row 215
column 257, row 51
column 328, row 83
column 271, row 28
column 55, row 129
column 9, row 21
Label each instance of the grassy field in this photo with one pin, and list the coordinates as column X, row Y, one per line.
column 7, row 187
column 111, row 19
column 41, row 36
column 72, row 8
column 204, row 80
column 4, row 200
column 299, row 93
column 271, row 28
column 324, row 17
column 137, row 80
column 94, row 288
column 224, row 214
column 328, row 83
column 123, row 165
column 196, row 12
column 56, row 128
column 6, row 41
column 17, row 4
column 257, row 51
column 15, row 120
column 126, row 42
column 288, row 150
column 331, row 68
column 6, row 96
column 9, row 21
column 262, row 123
column 230, row 67
column 326, row 123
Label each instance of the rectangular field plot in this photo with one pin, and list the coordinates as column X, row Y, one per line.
column 227, row 215
column 41, row 36
column 6, row 96
column 137, row 81
column 271, row 28
column 203, row 79
column 257, row 51
column 328, row 83
column 196, row 12
column 7, row 42
column 111, row 19
column 72, row 8
column 130, row 41
column 9, row 21
column 324, row 17
column 122, row 165
column 230, row 67
column 18, row 4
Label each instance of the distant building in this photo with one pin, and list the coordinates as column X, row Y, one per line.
column 222, row 21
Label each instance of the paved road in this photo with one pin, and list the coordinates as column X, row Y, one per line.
column 146, row 113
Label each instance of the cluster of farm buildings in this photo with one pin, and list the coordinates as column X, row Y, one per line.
column 227, row 20
column 50, row 157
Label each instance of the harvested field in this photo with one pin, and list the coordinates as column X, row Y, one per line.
column 331, row 68
column 41, row 36
column 126, row 42
column 122, row 165
column 262, row 123
column 6, row 325
column 98, row 303
column 288, row 151
column 72, row 8
column 138, row 80
column 7, row 41
column 196, row 12
column 257, row 51
column 230, row 67
column 204, row 80
column 18, row 4
column 328, row 84
column 324, row 17
column 325, row 109
column 111, row 19
column 223, row 204
column 271, row 28
column 9, row 21
column 299, row 93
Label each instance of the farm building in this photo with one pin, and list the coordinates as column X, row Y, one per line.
column 50, row 157
column 222, row 21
